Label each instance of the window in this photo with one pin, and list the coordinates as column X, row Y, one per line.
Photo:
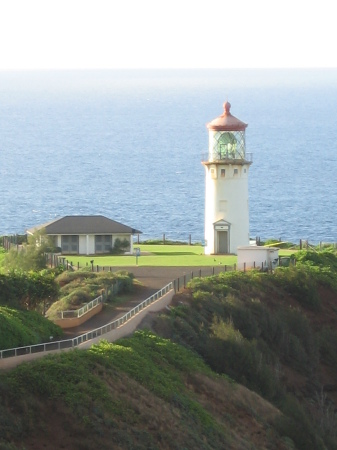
column 223, row 173
column 236, row 171
column 69, row 244
column 103, row 243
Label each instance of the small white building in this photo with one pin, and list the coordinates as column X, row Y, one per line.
column 253, row 256
column 226, row 185
column 86, row 235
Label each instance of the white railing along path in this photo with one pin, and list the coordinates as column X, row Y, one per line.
column 74, row 342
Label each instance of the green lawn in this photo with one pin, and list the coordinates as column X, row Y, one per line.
column 161, row 255
column 158, row 255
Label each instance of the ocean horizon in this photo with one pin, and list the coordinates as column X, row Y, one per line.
column 128, row 144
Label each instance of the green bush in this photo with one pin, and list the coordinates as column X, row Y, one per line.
column 27, row 290
column 120, row 246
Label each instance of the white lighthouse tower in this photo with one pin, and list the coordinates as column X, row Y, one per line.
column 226, row 202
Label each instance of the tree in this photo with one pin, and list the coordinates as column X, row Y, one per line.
column 27, row 290
column 30, row 256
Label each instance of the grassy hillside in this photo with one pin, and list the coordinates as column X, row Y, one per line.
column 19, row 328
column 274, row 333
column 240, row 361
column 144, row 392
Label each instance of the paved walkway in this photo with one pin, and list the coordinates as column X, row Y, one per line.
column 152, row 279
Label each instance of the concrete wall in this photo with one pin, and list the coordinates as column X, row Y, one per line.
column 255, row 256
column 76, row 321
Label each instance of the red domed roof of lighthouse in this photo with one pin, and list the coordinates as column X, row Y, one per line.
column 226, row 122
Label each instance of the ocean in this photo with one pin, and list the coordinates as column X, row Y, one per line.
column 128, row 145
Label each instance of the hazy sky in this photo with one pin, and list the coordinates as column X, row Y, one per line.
column 81, row 34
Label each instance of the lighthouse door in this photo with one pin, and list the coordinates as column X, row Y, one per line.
column 222, row 242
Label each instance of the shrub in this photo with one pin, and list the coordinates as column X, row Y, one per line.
column 300, row 283
column 294, row 423
column 27, row 290
column 120, row 246
column 327, row 341
column 229, row 352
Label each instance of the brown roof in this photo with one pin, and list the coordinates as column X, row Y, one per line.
column 227, row 122
column 84, row 225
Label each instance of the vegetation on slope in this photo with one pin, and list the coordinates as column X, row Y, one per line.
column 22, row 299
column 24, row 296
column 274, row 333
column 82, row 286
column 27, row 290
column 19, row 328
column 144, row 392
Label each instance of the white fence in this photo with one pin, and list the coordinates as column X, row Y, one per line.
column 75, row 313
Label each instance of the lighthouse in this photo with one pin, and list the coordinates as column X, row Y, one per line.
column 226, row 185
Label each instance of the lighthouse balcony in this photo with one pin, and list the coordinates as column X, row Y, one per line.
column 227, row 158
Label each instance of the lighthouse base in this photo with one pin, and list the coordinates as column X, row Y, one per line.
column 222, row 238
